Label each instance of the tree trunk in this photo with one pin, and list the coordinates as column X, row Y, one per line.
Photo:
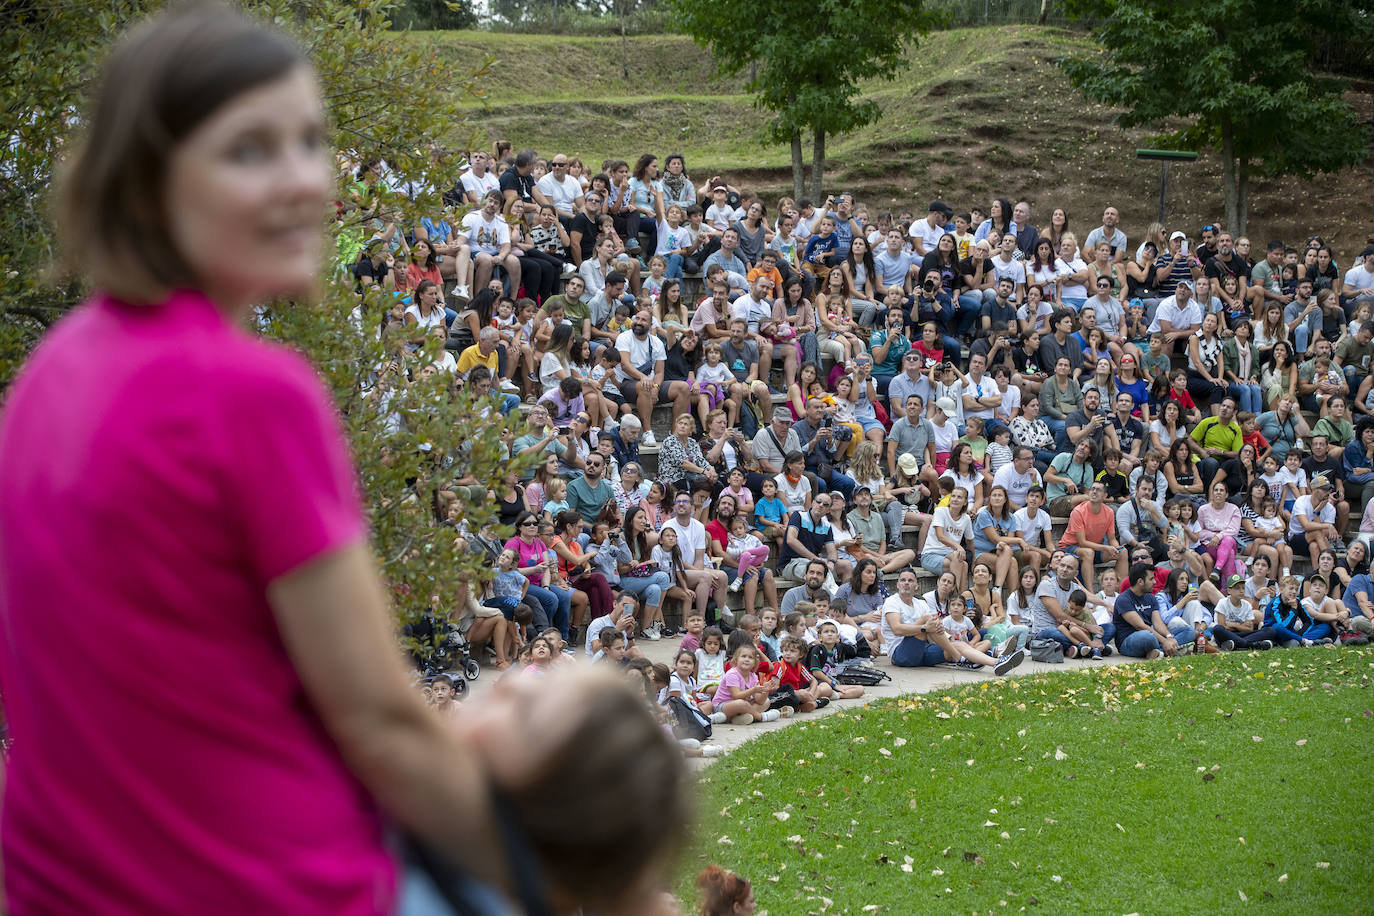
column 1243, row 193
column 818, row 168
column 798, row 167
column 1228, row 176
column 624, row 42
column 1044, row 12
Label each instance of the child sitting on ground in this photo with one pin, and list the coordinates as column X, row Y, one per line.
column 794, row 624
column 1086, row 642
column 711, row 658
column 825, row 657
column 740, row 696
column 792, row 672
column 696, row 624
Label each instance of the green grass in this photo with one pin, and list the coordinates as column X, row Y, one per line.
column 1197, row 786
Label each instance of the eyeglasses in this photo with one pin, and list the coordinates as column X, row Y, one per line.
column 560, row 165
column 592, row 200
column 528, row 524
column 1209, row 228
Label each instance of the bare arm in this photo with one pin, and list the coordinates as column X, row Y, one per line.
column 417, row 769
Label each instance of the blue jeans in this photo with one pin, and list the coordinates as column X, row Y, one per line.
column 966, row 312
column 1301, row 335
column 651, row 588
column 1142, row 642
column 1061, row 441
column 841, row 482
column 916, row 653
column 674, row 271
column 557, row 604
column 1251, row 398
column 508, row 403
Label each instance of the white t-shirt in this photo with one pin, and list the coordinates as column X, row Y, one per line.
column 1179, row 318
column 910, row 613
column 752, row 311
column 1029, row 526
column 1073, row 290
column 944, row 436
column 984, row 387
column 1014, row 270
column 1015, row 483
column 548, row 365
column 961, row 630
column 560, row 193
column 928, row 234
column 722, row 218
column 793, row 497
column 691, row 538
column 1302, row 506
column 479, row 186
column 1011, row 402
column 436, row 316
column 960, row 531
column 486, row 236
column 1359, row 278
column 642, row 351
column 1234, row 613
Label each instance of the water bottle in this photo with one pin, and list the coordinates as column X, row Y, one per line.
column 968, row 606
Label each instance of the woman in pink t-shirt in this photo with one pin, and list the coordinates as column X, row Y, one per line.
column 178, row 507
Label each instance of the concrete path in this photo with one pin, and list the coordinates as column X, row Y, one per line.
column 904, row 681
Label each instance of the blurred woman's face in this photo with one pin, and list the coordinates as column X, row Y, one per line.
column 246, row 193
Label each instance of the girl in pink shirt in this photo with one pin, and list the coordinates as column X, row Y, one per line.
column 739, row 696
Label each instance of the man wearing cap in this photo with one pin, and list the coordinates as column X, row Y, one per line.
column 1175, row 265
column 874, row 534
column 1312, row 524
column 1359, row 282
column 771, row 444
column 925, row 233
column 1177, row 317
column 1266, row 279
column 1109, row 233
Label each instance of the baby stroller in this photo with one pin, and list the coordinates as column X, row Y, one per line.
column 437, row 646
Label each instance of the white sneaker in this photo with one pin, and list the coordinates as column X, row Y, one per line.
column 690, row 744
column 735, row 586
column 461, row 294
column 717, row 718
column 745, row 718
column 654, row 632
column 509, row 387
column 787, row 712
column 648, row 438
column 771, row 715
column 712, row 750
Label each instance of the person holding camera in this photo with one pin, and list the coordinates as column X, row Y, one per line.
column 934, row 304
column 888, row 346
column 820, row 442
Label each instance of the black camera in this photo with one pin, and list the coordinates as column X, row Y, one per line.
column 928, row 286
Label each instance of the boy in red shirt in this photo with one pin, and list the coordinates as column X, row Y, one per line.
column 791, row 672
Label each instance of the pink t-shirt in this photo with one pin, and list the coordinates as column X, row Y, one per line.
column 158, row 468
column 732, row 681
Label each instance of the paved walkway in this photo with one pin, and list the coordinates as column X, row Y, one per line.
column 904, row 681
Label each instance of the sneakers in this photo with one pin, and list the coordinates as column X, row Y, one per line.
column 1324, row 641
column 1007, row 664
column 690, row 744
column 1097, row 653
column 712, row 750
column 966, row 664
column 1084, row 650
column 460, row 293
column 1107, row 650
column 1226, row 645
column 1352, row 638
column 648, row 438
column 718, row 718
column 655, row 631
column 736, row 585
column 745, row 718
column 786, row 712
column 771, row 715
column 727, row 615
column 822, row 702
column 1002, row 647
column 509, row 387
column 1264, row 645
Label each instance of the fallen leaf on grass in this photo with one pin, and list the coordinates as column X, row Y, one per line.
column 1323, row 864
column 1301, row 741
column 1059, row 753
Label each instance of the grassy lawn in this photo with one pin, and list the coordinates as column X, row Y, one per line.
column 1197, row 786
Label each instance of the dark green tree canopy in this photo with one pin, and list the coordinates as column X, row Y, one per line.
column 1239, row 73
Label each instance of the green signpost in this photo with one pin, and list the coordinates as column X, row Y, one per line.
column 1165, row 156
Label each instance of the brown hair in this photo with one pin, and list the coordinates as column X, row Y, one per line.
column 615, row 734
column 162, row 81
column 721, row 890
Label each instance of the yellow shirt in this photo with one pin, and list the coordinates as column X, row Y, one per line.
column 472, row 358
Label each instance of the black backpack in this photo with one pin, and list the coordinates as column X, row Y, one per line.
column 688, row 721
column 862, row 672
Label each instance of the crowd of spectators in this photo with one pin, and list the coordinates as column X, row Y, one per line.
column 858, row 398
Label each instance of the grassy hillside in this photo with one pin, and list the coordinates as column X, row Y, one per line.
column 975, row 113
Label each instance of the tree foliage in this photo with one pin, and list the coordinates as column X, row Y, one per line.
column 388, row 98
column 1239, row 72
column 435, row 14
column 808, row 62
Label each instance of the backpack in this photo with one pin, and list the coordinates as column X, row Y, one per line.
column 688, row 721
column 1044, row 649
column 862, row 672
